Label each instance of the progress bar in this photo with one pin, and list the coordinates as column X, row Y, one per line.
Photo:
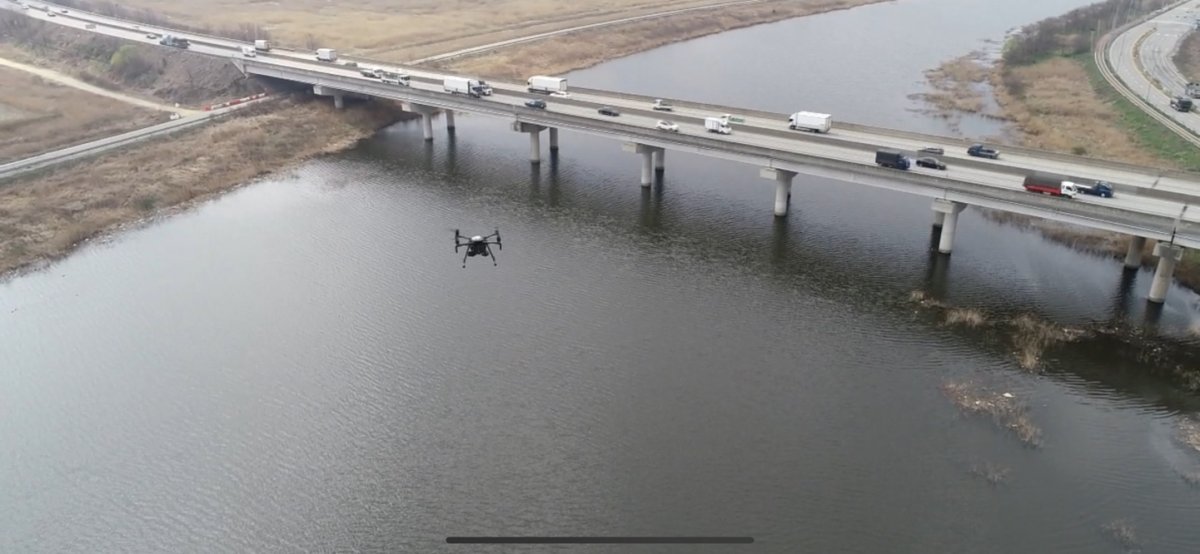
column 599, row 540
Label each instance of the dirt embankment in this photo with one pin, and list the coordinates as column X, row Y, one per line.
column 48, row 115
column 586, row 48
column 45, row 216
column 142, row 69
column 1188, row 57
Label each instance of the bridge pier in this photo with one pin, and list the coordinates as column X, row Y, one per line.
column 449, row 120
column 427, row 125
column 660, row 163
column 949, row 211
column 783, row 187
column 647, row 153
column 1168, row 256
column 535, row 142
column 554, row 139
column 1133, row 257
column 339, row 101
column 938, row 219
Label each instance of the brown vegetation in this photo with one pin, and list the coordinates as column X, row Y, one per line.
column 1122, row 532
column 990, row 472
column 46, row 116
column 1074, row 32
column 46, row 215
column 1189, row 433
column 587, row 48
column 956, row 84
column 1002, row 408
column 1188, row 56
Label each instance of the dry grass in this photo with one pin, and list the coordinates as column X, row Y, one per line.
column 1004, row 411
column 1189, row 433
column 47, row 115
column 992, row 473
column 587, row 48
column 1054, row 108
column 44, row 216
column 1188, row 56
column 956, row 84
column 1121, row 531
column 967, row 317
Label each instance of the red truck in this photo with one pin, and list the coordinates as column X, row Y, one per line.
column 1050, row 184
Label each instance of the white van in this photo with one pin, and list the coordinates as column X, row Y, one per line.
column 249, row 51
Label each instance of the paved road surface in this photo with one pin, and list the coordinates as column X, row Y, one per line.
column 1162, row 35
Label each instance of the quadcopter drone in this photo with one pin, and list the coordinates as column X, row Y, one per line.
column 477, row 245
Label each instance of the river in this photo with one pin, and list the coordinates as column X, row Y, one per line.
column 304, row 365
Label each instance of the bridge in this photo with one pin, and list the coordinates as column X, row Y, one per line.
column 1149, row 203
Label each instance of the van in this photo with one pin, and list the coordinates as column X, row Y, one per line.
column 249, row 51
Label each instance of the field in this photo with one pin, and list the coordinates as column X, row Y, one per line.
column 47, row 116
column 1188, row 56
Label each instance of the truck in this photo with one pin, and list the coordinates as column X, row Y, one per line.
column 1053, row 185
column 394, row 78
column 326, row 55
column 1098, row 188
column 262, row 45
column 484, row 88
column 661, row 105
column 1192, row 90
column 546, row 85
column 368, row 71
column 1181, row 104
column 249, row 51
column 893, row 159
column 717, row 125
column 810, row 121
column 463, row 85
column 172, row 40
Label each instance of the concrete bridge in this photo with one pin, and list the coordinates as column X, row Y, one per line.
column 1149, row 203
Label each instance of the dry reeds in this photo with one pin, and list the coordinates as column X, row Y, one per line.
column 1121, row 531
column 1003, row 409
column 992, row 473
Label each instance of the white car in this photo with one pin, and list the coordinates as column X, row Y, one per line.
column 561, row 94
column 664, row 125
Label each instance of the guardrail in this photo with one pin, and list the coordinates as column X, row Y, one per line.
column 1106, row 217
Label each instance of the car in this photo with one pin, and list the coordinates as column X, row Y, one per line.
column 931, row 162
column 664, row 125
column 609, row 111
column 49, row 14
column 63, row 10
column 561, row 94
column 661, row 105
column 981, row 151
column 151, row 35
column 934, row 150
column 536, row 104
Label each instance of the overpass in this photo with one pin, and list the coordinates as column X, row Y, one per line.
column 1149, row 204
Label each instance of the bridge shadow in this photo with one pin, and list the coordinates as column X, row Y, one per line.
column 650, row 216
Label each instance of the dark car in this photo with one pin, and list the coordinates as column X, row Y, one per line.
column 981, row 151
column 606, row 110
column 932, row 163
column 935, row 150
column 1103, row 189
column 536, row 104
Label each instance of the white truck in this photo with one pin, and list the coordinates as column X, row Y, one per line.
column 326, row 55
column 368, row 71
column 249, row 51
column 463, row 85
column 546, row 85
column 262, row 45
column 717, row 125
column 394, row 78
column 811, row 121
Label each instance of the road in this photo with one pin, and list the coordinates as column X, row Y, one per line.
column 1153, row 77
column 76, row 83
column 847, row 142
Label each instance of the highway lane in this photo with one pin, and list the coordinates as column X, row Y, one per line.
column 1161, row 36
column 841, row 144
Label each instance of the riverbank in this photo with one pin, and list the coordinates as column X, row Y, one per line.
column 1037, row 87
column 45, row 216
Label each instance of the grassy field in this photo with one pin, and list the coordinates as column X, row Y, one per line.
column 1188, row 56
column 47, row 116
column 46, row 215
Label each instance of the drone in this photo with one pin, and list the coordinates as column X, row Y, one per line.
column 477, row 245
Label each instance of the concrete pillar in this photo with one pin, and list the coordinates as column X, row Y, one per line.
column 427, row 125
column 647, row 168
column 339, row 101
column 938, row 219
column 553, row 139
column 949, row 211
column 660, row 160
column 1133, row 258
column 1168, row 256
column 783, row 187
column 449, row 119
column 535, row 147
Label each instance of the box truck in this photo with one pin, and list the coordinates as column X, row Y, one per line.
column 395, row 78
column 811, row 121
column 546, row 85
column 893, row 159
column 717, row 125
column 462, row 85
column 326, row 55
column 1053, row 185
column 262, row 45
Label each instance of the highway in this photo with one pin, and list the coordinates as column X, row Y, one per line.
column 1142, row 191
column 1142, row 57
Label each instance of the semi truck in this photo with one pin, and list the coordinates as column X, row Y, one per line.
column 717, row 125
column 262, row 45
column 172, row 40
column 326, row 55
column 810, row 121
column 1053, row 185
column 461, row 85
column 546, row 85
column 892, row 159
